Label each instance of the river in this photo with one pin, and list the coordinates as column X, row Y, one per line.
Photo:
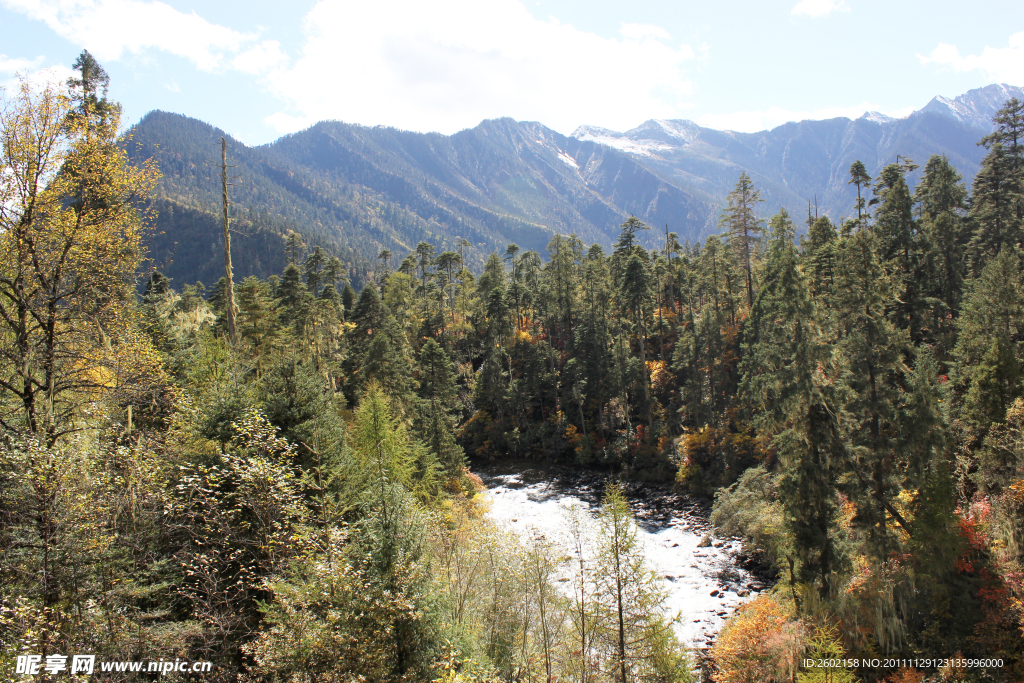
column 704, row 584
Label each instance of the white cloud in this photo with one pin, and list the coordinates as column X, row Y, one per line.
column 32, row 71
column 1000, row 64
column 260, row 59
column 109, row 28
column 766, row 119
column 819, row 8
column 643, row 31
column 12, row 65
column 446, row 65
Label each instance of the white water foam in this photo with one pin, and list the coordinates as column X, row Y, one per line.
column 688, row 573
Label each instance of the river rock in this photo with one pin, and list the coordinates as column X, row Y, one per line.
column 705, row 542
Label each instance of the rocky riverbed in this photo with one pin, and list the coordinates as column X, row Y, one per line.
column 705, row 577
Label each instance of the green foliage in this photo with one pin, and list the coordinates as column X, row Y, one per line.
column 826, row 644
column 854, row 406
column 988, row 351
column 632, row 633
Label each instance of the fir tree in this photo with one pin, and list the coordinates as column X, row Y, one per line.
column 437, row 392
column 942, row 199
column 873, row 349
column 997, row 203
column 743, row 227
column 859, row 176
column 787, row 378
column 820, row 252
column 989, row 349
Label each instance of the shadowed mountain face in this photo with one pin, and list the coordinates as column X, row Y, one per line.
column 356, row 190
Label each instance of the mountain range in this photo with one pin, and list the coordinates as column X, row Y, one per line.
column 355, row 189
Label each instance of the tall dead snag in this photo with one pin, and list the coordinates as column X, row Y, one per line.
column 229, row 282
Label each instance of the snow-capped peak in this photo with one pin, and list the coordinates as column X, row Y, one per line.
column 877, row 117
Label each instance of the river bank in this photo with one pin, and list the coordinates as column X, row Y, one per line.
column 705, row 577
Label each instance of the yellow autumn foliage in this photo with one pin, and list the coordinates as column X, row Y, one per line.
column 70, row 237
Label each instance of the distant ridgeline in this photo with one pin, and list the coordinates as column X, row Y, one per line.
column 356, row 190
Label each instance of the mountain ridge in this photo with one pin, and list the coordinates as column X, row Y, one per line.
column 357, row 189
column 801, row 161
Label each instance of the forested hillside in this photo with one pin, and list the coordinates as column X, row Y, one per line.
column 278, row 484
column 356, row 190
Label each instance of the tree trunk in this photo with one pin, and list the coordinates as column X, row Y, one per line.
column 230, row 293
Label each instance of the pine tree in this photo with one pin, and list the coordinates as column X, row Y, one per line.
column 942, row 199
column 787, row 378
column 820, row 252
column 873, row 349
column 989, row 350
column 743, row 226
column 997, row 202
column 631, row 628
column 438, row 394
column 859, row 176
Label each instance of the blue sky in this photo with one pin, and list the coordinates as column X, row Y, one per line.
column 261, row 69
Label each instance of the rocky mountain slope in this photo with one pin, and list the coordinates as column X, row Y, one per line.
column 807, row 160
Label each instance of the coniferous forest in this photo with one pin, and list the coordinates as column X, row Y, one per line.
column 280, row 485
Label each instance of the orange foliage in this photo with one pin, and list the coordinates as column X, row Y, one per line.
column 905, row 675
column 760, row 644
column 522, row 336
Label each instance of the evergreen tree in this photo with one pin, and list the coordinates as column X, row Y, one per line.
column 820, row 252
column 628, row 235
column 314, row 265
column 635, row 295
column 258, row 325
column 390, row 540
column 438, row 394
column 632, row 631
column 989, row 351
column 873, row 349
column 388, row 363
column 997, row 202
column 293, row 297
column 787, row 377
column 743, row 227
column 348, row 299
column 900, row 246
column 367, row 316
column 89, row 90
column 942, row 199
column 859, row 176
